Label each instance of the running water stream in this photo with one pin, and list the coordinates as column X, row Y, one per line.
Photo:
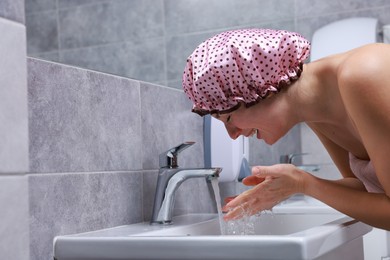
column 243, row 226
column 217, row 195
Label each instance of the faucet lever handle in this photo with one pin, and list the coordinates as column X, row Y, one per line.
column 289, row 158
column 168, row 159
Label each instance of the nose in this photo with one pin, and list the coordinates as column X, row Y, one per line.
column 234, row 132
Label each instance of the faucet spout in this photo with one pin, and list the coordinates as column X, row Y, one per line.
column 168, row 182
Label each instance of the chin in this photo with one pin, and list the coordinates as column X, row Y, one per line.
column 270, row 141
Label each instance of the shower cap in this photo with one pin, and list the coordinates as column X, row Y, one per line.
column 242, row 66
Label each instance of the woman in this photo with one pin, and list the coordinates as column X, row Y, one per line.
column 255, row 82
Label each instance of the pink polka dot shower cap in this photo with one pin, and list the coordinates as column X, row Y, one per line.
column 242, row 66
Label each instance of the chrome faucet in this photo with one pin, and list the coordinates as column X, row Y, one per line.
column 170, row 177
column 289, row 158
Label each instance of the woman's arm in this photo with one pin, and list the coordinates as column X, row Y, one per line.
column 275, row 183
column 370, row 208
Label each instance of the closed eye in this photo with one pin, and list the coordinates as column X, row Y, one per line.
column 228, row 119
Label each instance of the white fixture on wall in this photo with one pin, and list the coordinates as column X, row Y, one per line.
column 222, row 151
column 343, row 35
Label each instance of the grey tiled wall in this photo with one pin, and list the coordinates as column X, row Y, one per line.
column 79, row 202
column 167, row 121
column 12, row 10
column 82, row 120
column 150, row 39
column 196, row 16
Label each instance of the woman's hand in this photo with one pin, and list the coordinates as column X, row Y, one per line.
column 272, row 184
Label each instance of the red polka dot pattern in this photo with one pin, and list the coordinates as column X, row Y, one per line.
column 242, row 65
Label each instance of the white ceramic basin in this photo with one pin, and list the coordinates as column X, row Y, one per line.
column 303, row 204
column 276, row 236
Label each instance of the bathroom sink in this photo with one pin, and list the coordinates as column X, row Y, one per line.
column 303, row 204
column 198, row 236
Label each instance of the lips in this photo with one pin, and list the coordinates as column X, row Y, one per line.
column 258, row 135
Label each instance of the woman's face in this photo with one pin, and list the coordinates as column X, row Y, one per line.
column 263, row 120
column 236, row 124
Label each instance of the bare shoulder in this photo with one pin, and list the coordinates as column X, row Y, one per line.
column 363, row 73
column 363, row 77
column 365, row 66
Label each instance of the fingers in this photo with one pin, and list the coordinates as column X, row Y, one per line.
column 268, row 170
column 245, row 197
column 240, row 199
column 252, row 180
column 271, row 185
column 228, row 199
column 243, row 210
column 259, row 174
column 250, row 202
column 236, row 213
